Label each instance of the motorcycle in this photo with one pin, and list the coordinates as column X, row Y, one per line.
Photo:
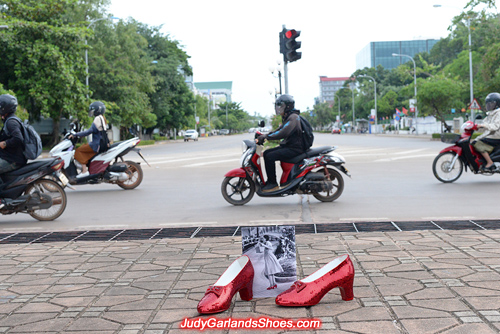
column 107, row 167
column 450, row 163
column 31, row 190
column 314, row 172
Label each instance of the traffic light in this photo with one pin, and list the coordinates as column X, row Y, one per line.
column 289, row 45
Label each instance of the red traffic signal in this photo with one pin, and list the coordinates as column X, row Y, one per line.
column 291, row 33
column 289, row 46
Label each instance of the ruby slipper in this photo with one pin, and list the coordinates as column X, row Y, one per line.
column 237, row 277
column 338, row 273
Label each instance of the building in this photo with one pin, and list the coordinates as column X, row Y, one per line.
column 380, row 53
column 328, row 87
column 216, row 91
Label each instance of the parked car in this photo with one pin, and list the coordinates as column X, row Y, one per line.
column 224, row 132
column 191, row 135
column 336, row 130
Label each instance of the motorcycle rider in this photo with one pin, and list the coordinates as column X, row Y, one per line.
column 11, row 138
column 486, row 142
column 290, row 131
column 87, row 151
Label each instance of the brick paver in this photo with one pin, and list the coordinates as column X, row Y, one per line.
column 406, row 282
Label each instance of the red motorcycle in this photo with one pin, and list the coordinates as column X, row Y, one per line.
column 314, row 172
column 451, row 162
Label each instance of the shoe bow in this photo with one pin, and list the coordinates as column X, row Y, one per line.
column 299, row 286
column 214, row 289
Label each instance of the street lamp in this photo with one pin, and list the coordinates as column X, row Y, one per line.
column 415, row 84
column 374, row 93
column 86, row 49
column 352, row 85
column 470, row 64
column 277, row 70
column 339, row 101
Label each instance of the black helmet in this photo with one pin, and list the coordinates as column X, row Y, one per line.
column 284, row 104
column 8, row 104
column 97, row 108
column 492, row 101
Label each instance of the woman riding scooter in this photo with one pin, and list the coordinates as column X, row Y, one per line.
column 87, row 151
column 486, row 142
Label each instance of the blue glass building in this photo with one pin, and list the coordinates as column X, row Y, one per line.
column 380, row 53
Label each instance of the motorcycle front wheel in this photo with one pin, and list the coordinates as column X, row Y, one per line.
column 135, row 176
column 237, row 190
column 338, row 187
column 57, row 194
column 442, row 169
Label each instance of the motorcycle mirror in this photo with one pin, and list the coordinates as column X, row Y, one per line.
column 262, row 124
column 478, row 117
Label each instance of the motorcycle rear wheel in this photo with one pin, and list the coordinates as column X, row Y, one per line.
column 441, row 170
column 55, row 191
column 338, row 187
column 237, row 187
column 135, row 174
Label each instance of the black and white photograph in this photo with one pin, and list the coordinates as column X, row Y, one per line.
column 272, row 252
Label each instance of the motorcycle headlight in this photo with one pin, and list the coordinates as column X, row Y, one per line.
column 245, row 157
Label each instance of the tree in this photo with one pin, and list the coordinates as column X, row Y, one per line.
column 42, row 58
column 439, row 94
column 120, row 72
column 172, row 101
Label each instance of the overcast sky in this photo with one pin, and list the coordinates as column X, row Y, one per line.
column 231, row 40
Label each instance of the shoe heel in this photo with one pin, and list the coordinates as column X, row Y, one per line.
column 346, row 290
column 246, row 293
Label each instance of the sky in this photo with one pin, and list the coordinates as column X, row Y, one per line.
column 238, row 41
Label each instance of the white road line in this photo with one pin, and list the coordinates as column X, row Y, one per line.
column 210, row 163
column 407, row 157
column 189, row 159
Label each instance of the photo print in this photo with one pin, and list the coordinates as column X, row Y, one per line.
column 272, row 252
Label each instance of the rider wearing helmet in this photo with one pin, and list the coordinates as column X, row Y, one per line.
column 486, row 142
column 87, row 151
column 291, row 133
column 11, row 136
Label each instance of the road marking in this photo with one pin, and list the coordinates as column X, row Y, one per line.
column 189, row 159
column 189, row 224
column 211, row 163
column 407, row 157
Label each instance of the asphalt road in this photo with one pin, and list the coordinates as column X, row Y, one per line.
column 391, row 180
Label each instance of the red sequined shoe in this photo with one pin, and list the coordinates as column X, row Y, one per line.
column 237, row 277
column 338, row 273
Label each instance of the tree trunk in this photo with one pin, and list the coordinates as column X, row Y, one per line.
column 55, row 130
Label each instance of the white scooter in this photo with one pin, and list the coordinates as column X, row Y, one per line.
column 108, row 167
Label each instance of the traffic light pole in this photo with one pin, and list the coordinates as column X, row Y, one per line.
column 285, row 73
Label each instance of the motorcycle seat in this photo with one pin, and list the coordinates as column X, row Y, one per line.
column 309, row 153
column 29, row 167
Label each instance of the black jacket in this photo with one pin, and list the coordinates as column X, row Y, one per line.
column 290, row 131
column 13, row 152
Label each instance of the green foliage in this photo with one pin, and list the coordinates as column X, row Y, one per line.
column 41, row 60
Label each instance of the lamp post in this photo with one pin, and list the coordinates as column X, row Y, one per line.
column 86, row 49
column 277, row 70
column 415, row 84
column 339, row 101
column 471, row 79
column 374, row 94
column 352, row 85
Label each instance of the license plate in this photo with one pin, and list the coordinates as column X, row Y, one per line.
column 63, row 179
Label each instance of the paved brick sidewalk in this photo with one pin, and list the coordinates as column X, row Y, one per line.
column 406, row 282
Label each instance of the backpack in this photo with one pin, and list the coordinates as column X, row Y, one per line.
column 32, row 141
column 307, row 133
